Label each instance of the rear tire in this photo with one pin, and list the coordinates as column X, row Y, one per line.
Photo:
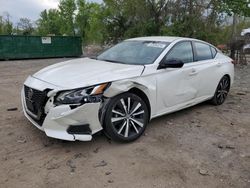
column 221, row 91
column 126, row 117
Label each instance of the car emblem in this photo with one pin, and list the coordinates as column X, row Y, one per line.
column 30, row 94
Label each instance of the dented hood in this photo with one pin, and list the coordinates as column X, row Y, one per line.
column 86, row 72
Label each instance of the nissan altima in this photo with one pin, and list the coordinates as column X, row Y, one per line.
column 125, row 87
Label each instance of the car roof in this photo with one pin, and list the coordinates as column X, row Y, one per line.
column 169, row 39
column 157, row 38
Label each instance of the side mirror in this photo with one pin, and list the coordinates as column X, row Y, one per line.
column 173, row 63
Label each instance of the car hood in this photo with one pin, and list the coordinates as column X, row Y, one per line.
column 84, row 72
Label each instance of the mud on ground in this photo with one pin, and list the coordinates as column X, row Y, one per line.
column 203, row 146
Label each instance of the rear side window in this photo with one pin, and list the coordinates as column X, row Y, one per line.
column 203, row 51
column 214, row 52
column 182, row 51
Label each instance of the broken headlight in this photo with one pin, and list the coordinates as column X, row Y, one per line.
column 83, row 95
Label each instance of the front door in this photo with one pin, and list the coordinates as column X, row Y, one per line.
column 177, row 86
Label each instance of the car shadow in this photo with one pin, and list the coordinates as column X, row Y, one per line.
column 100, row 138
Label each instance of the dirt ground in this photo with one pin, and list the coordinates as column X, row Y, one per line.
column 203, row 146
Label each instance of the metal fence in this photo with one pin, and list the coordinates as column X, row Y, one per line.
column 26, row 47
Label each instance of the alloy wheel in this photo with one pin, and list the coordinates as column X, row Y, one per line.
column 128, row 117
column 222, row 90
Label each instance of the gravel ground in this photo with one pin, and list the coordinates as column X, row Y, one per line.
column 203, row 146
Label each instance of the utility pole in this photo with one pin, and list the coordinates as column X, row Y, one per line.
column 234, row 32
column 235, row 21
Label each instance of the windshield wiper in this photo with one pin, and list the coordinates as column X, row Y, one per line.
column 111, row 61
column 93, row 57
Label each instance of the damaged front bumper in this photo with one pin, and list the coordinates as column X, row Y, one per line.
column 67, row 123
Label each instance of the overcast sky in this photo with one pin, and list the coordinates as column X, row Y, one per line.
column 28, row 8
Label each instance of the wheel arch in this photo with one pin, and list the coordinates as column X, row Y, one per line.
column 229, row 77
column 215, row 100
column 219, row 79
column 119, row 87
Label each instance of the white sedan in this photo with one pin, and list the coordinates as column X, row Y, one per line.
column 125, row 87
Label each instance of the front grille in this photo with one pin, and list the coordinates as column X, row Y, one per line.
column 35, row 102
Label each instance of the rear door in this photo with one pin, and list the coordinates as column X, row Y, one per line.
column 207, row 68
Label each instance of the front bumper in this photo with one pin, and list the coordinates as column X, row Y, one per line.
column 59, row 119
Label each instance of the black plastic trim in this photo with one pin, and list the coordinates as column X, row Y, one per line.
column 79, row 129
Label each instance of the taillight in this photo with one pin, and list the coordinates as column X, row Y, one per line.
column 233, row 62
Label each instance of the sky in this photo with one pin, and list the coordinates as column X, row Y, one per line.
column 28, row 8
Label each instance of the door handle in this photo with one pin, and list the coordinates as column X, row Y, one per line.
column 193, row 72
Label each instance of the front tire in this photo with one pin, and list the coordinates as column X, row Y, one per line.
column 221, row 91
column 126, row 117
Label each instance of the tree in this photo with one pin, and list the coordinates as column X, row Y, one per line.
column 115, row 20
column 49, row 22
column 82, row 18
column 6, row 26
column 239, row 7
column 124, row 19
column 89, row 19
column 25, row 26
column 189, row 18
column 159, row 10
column 235, row 8
column 67, row 10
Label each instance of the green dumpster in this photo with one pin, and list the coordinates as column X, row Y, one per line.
column 26, row 47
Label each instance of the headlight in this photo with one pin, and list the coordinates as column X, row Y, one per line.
column 83, row 95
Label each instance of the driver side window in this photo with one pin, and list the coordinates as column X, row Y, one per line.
column 182, row 51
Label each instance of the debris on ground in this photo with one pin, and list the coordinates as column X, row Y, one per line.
column 101, row 164
column 203, row 172
column 21, row 140
column 230, row 147
column 53, row 167
column 21, row 160
column 71, row 165
column 78, row 155
column 12, row 109
column 96, row 150
column 170, row 123
column 48, row 142
column 226, row 146
column 110, row 181
column 107, row 173
column 241, row 93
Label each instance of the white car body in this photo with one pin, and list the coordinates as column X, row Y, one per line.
column 167, row 90
column 245, row 32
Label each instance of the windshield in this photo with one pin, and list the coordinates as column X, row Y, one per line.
column 134, row 52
